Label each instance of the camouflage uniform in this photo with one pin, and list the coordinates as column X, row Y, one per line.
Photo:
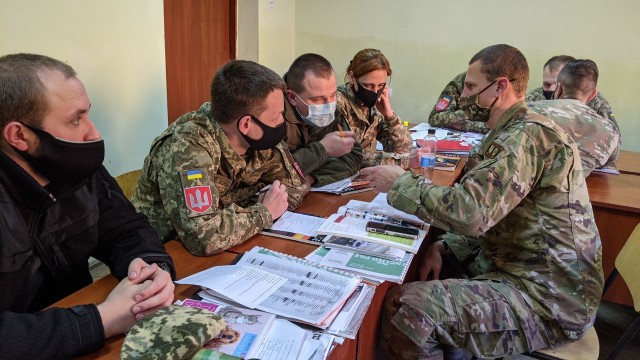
column 369, row 126
column 304, row 144
column 598, row 103
column 447, row 114
column 174, row 332
column 175, row 188
column 597, row 137
column 539, row 266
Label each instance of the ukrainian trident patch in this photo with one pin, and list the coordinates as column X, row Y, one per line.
column 443, row 103
column 198, row 198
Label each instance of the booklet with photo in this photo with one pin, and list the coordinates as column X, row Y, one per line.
column 363, row 247
column 246, row 328
column 377, row 209
column 357, row 228
column 298, row 227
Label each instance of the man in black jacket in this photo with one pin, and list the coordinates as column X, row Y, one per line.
column 59, row 206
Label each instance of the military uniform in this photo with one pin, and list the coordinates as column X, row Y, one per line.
column 447, row 112
column 196, row 186
column 370, row 125
column 304, row 144
column 597, row 137
column 598, row 103
column 537, row 256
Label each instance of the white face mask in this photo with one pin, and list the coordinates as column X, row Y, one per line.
column 320, row 115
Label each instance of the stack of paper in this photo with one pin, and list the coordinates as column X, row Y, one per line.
column 350, row 185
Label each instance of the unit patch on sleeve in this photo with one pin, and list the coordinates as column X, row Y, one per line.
column 493, row 150
column 196, row 185
column 443, row 103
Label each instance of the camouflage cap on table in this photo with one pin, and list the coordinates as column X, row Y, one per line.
column 174, row 332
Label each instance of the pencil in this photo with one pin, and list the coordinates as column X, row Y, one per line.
column 340, row 130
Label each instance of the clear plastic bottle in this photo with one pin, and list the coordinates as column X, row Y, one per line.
column 428, row 148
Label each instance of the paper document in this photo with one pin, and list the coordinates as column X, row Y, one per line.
column 311, row 294
column 245, row 285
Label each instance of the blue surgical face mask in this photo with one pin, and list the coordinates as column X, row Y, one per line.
column 320, row 115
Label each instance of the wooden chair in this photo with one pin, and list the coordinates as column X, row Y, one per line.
column 128, row 182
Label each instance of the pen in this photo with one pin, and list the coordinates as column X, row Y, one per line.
column 264, row 189
column 340, row 130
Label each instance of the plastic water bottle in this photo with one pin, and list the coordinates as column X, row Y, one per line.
column 428, row 148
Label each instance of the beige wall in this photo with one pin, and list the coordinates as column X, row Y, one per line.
column 117, row 48
column 429, row 42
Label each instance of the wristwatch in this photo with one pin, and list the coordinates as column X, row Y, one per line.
column 164, row 266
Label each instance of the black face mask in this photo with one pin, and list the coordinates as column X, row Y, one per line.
column 62, row 161
column 367, row 96
column 271, row 136
column 548, row 94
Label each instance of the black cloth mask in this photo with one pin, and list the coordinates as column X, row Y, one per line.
column 548, row 94
column 62, row 161
column 271, row 136
column 471, row 107
column 367, row 96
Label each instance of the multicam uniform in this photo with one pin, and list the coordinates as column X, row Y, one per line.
column 539, row 266
column 370, row 125
column 196, row 186
column 597, row 137
column 304, row 144
column 598, row 103
column 447, row 112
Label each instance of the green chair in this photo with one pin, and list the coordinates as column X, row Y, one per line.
column 128, row 182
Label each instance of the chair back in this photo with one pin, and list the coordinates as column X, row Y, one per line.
column 627, row 265
column 128, row 182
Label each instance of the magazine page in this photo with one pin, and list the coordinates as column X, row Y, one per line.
column 245, row 330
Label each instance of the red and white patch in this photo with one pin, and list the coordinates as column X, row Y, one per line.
column 295, row 165
column 198, row 198
column 443, row 103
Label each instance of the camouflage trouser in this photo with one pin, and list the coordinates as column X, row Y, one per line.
column 488, row 318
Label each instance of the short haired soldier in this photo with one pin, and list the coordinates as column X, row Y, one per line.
column 550, row 72
column 318, row 136
column 597, row 137
column 537, row 273
column 201, row 176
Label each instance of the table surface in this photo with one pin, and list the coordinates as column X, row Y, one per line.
column 620, row 192
column 629, row 162
column 186, row 264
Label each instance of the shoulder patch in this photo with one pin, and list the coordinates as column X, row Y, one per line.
column 196, row 185
column 493, row 150
column 443, row 103
column 198, row 198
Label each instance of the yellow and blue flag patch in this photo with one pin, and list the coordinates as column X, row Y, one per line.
column 194, row 174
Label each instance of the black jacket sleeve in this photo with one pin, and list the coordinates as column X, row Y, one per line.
column 51, row 334
column 123, row 233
